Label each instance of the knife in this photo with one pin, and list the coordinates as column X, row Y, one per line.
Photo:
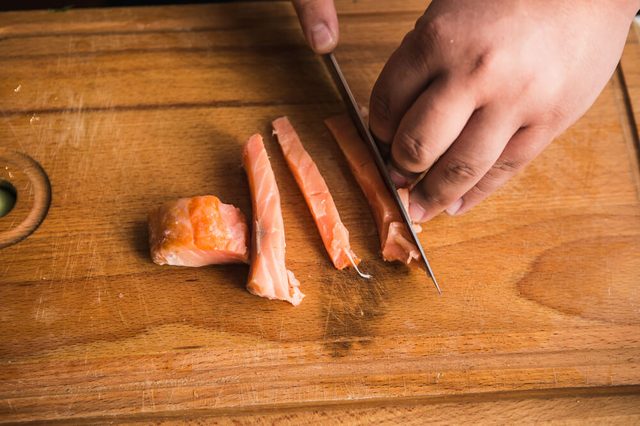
column 365, row 134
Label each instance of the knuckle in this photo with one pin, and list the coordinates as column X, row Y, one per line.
column 486, row 63
column 554, row 116
column 457, row 170
column 415, row 51
column 380, row 116
column 487, row 186
column 507, row 165
column 430, row 31
column 414, row 152
column 379, row 106
column 423, row 41
column 433, row 198
column 481, row 189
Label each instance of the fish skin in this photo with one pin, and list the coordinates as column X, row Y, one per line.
column 198, row 231
column 268, row 276
column 334, row 234
column 395, row 240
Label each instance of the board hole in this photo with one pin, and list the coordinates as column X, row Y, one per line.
column 8, row 197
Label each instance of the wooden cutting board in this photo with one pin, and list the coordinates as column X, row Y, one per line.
column 127, row 108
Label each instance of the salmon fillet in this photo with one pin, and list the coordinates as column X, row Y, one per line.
column 268, row 276
column 335, row 235
column 395, row 241
column 198, row 231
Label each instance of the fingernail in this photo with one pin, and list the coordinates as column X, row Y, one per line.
column 416, row 211
column 398, row 179
column 321, row 38
column 454, row 208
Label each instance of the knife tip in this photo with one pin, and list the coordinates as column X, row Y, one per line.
column 433, row 278
column 437, row 286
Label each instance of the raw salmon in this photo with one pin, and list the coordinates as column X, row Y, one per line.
column 268, row 276
column 395, row 240
column 198, row 231
column 316, row 193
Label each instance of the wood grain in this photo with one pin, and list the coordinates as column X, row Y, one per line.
column 574, row 408
column 577, row 410
column 127, row 108
column 629, row 70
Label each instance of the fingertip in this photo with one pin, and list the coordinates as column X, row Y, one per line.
column 421, row 208
column 319, row 22
column 417, row 212
column 399, row 179
column 424, row 206
column 322, row 38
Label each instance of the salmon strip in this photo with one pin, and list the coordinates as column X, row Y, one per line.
column 268, row 276
column 395, row 241
column 198, row 231
column 316, row 193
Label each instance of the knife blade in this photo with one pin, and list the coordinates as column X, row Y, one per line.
column 365, row 134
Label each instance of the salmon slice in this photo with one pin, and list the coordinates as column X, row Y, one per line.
column 316, row 193
column 395, row 241
column 268, row 276
column 198, row 231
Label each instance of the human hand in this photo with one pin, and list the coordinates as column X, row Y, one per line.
column 478, row 89
column 319, row 23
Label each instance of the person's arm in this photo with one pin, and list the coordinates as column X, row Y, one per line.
column 478, row 89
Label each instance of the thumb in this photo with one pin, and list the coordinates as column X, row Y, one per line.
column 319, row 23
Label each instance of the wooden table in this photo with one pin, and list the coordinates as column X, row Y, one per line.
column 126, row 108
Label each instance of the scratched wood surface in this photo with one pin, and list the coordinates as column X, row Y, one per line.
column 128, row 108
column 578, row 410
